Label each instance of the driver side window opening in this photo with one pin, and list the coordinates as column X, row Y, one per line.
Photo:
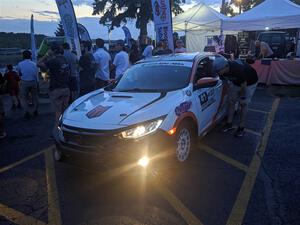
column 204, row 69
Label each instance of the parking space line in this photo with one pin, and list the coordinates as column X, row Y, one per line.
column 253, row 132
column 54, row 217
column 13, row 165
column 224, row 158
column 18, row 217
column 237, row 214
column 258, row 110
column 180, row 208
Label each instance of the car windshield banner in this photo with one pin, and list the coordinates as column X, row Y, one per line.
column 163, row 21
column 68, row 19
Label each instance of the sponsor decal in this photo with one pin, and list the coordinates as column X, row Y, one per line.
column 98, row 111
column 182, row 108
column 207, row 99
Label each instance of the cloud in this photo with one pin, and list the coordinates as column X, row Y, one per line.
column 45, row 12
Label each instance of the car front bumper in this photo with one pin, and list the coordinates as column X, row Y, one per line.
column 109, row 149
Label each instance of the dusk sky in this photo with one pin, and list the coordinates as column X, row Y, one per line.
column 15, row 15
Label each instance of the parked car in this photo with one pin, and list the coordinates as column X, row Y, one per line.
column 168, row 100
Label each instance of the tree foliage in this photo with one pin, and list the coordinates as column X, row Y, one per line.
column 8, row 40
column 60, row 30
column 118, row 11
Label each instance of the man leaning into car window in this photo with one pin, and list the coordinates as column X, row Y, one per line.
column 243, row 85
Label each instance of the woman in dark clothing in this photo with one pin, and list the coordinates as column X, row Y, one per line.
column 88, row 70
column 134, row 54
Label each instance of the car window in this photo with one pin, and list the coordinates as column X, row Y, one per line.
column 204, row 69
column 219, row 63
column 155, row 77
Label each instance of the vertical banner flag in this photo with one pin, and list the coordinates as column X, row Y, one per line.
column 83, row 33
column 33, row 45
column 127, row 35
column 163, row 21
column 68, row 19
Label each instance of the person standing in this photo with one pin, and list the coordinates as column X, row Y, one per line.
column 147, row 53
column 88, row 70
column 134, row 54
column 121, row 60
column 28, row 71
column 179, row 47
column 13, row 79
column 74, row 69
column 59, row 73
column 244, row 81
column 102, row 58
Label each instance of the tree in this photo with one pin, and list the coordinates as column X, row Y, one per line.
column 118, row 11
column 60, row 30
column 246, row 4
column 226, row 9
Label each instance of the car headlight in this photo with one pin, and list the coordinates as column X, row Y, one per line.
column 142, row 130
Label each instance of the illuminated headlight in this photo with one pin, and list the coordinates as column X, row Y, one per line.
column 142, row 130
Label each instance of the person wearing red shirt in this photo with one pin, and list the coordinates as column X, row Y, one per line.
column 13, row 80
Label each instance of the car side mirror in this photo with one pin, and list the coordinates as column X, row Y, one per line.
column 206, row 82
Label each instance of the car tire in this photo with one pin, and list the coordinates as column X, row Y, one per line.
column 185, row 141
column 58, row 155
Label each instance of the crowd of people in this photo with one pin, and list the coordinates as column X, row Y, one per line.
column 70, row 77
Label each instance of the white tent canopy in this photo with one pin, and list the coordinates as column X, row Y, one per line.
column 199, row 23
column 199, row 17
column 271, row 14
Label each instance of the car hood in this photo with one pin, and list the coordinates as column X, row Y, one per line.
column 107, row 110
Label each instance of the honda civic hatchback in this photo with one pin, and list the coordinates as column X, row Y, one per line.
column 162, row 101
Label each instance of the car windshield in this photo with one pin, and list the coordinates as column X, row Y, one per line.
column 155, row 77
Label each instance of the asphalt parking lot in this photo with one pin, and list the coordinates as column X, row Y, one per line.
column 252, row 180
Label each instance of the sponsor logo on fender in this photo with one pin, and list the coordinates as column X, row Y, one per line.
column 182, row 108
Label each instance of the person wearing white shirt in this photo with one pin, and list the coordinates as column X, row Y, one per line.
column 121, row 60
column 102, row 58
column 147, row 53
column 28, row 72
column 179, row 47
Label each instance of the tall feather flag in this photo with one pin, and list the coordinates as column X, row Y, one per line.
column 33, row 44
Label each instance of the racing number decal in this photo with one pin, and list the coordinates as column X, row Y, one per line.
column 207, row 99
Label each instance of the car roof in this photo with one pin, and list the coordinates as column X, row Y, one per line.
column 189, row 57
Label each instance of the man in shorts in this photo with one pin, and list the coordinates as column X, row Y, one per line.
column 243, row 85
column 59, row 73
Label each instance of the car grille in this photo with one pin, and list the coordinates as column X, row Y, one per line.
column 89, row 139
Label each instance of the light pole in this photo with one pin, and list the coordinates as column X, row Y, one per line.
column 108, row 25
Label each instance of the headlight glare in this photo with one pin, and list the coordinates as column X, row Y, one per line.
column 142, row 130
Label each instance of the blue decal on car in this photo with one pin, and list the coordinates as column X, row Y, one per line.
column 183, row 107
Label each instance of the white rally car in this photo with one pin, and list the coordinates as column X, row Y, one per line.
column 172, row 99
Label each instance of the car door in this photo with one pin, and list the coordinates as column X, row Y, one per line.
column 207, row 99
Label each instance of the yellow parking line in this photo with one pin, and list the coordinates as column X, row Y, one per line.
column 257, row 110
column 239, row 209
column 11, row 166
column 18, row 217
column 54, row 217
column 223, row 157
column 180, row 208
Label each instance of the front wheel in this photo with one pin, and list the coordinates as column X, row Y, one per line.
column 184, row 141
